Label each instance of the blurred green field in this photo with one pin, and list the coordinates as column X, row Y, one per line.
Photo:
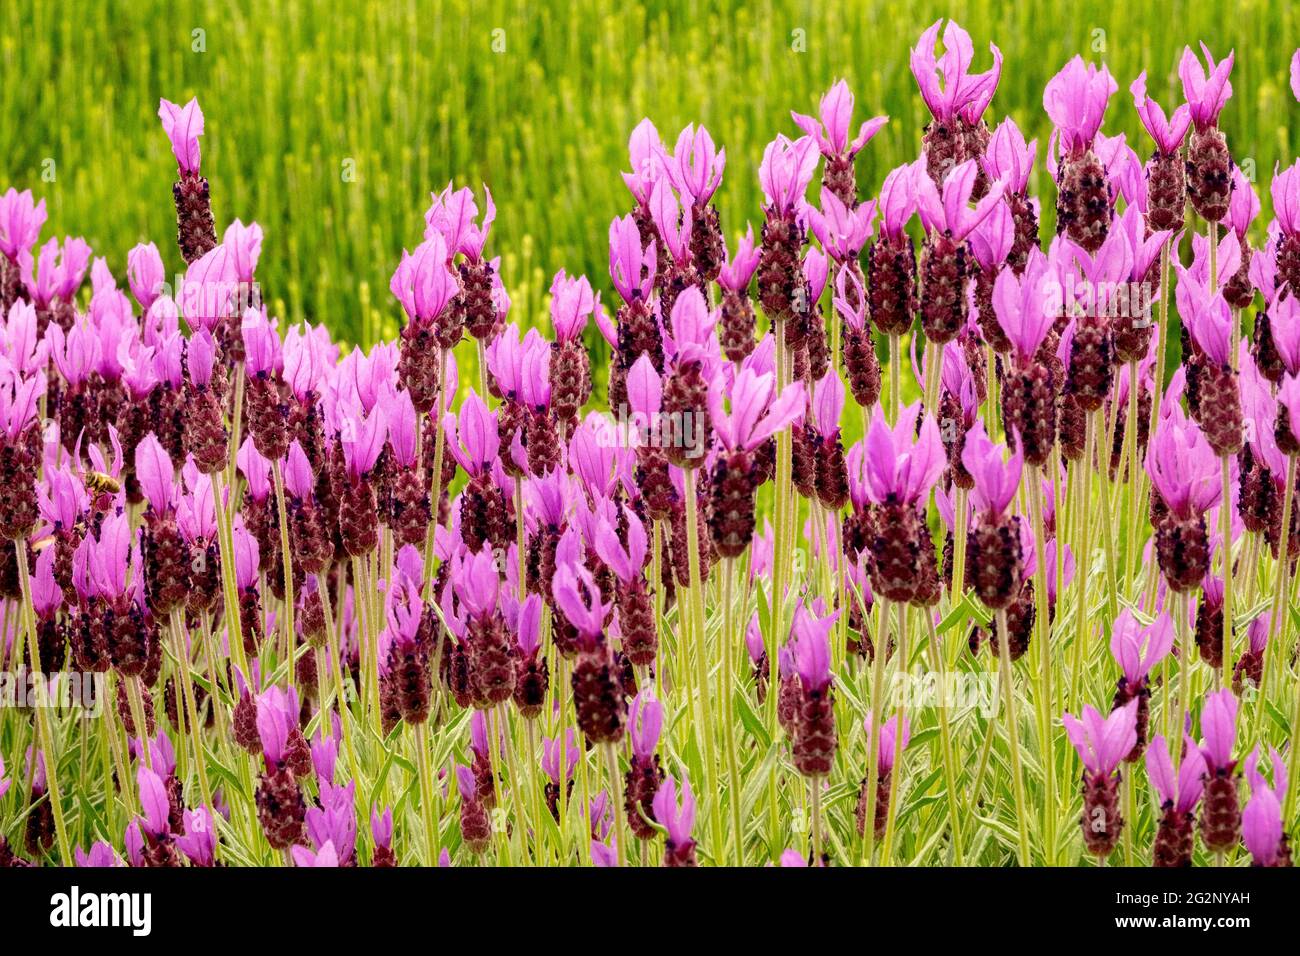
column 414, row 95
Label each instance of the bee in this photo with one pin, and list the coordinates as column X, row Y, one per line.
column 101, row 484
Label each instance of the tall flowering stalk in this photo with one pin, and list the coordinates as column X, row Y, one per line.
column 196, row 234
column 900, row 472
column 1102, row 744
column 509, row 564
column 1218, row 409
column 1178, row 793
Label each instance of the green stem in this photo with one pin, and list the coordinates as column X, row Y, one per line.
column 873, row 745
column 901, row 670
column 945, row 736
column 286, row 560
column 1042, row 619
column 736, row 787
column 44, row 709
column 701, row 649
column 229, row 584
column 435, row 487
column 1274, row 660
column 1225, row 530
column 1013, row 737
column 427, row 789
column 616, row 790
column 186, row 681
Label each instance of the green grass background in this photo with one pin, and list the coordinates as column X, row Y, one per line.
column 414, row 95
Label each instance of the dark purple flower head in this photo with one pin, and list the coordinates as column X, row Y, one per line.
column 1206, row 94
column 947, row 85
column 830, row 130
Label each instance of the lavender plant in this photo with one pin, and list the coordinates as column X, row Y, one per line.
column 260, row 585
